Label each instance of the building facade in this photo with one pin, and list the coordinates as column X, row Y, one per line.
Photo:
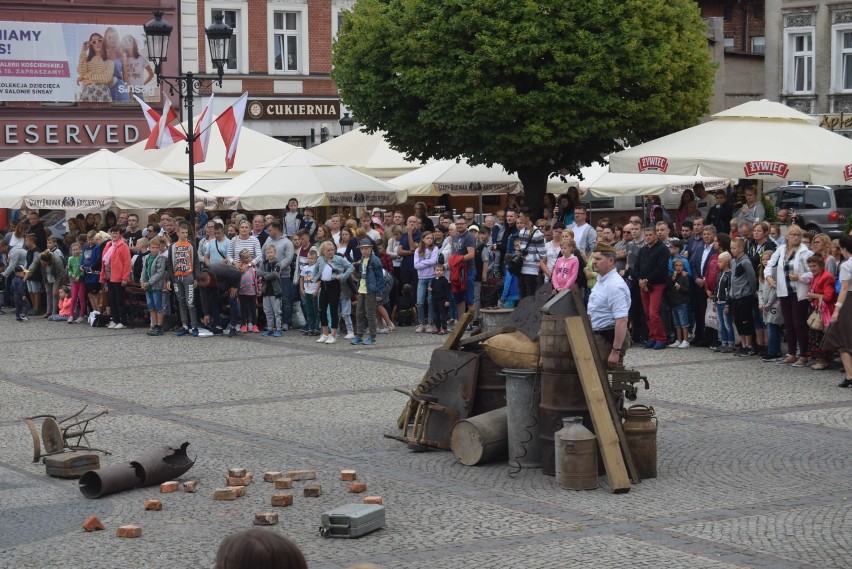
column 281, row 57
column 56, row 98
column 742, row 23
column 809, row 59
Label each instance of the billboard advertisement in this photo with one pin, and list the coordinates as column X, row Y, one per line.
column 67, row 63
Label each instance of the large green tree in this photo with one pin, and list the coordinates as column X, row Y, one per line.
column 537, row 86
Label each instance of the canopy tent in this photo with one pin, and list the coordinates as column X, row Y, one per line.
column 23, row 167
column 459, row 178
column 602, row 183
column 755, row 140
column 96, row 182
column 367, row 153
column 254, row 149
column 311, row 179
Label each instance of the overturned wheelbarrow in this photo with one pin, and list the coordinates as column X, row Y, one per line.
column 152, row 468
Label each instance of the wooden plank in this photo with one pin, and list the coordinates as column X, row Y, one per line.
column 616, row 418
column 590, row 379
column 485, row 335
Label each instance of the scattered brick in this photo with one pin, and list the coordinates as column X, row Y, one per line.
column 266, row 519
column 168, row 487
column 272, row 476
column 190, row 486
column 93, row 523
column 283, row 483
column 129, row 531
column 153, row 505
column 225, row 494
column 348, row 475
column 373, row 500
column 302, row 474
column 237, row 481
column 357, row 488
column 313, row 490
column 249, row 478
column 282, row 500
column 240, row 490
column 236, row 472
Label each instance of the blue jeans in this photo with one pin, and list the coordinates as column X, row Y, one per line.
column 422, row 296
column 773, row 340
column 154, row 299
column 680, row 315
column 216, row 308
column 287, row 301
column 726, row 329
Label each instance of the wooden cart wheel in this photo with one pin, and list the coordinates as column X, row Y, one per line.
column 36, row 441
column 51, row 434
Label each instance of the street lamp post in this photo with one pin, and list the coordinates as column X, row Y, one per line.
column 346, row 123
column 219, row 39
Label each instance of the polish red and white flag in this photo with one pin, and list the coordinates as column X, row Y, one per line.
column 153, row 118
column 230, row 122
column 167, row 134
column 202, row 133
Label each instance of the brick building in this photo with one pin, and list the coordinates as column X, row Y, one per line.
column 44, row 109
column 281, row 57
column 743, row 23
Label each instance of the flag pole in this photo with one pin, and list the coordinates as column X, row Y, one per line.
column 191, row 137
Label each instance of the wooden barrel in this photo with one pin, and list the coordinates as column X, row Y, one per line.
column 490, row 387
column 481, row 439
column 555, row 350
column 561, row 396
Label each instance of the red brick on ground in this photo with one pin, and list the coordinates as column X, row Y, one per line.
column 302, row 474
column 282, row 500
column 225, row 494
column 237, row 481
column 129, row 531
column 236, row 472
column 93, row 523
column 153, row 505
column 170, row 486
column 266, row 519
column 283, row 483
column 272, row 476
column 348, row 475
column 240, row 490
column 313, row 490
column 373, row 500
column 357, row 488
column 190, row 486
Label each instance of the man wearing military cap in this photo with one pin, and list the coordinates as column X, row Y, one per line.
column 609, row 305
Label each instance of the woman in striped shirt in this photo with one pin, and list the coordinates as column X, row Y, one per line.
column 245, row 241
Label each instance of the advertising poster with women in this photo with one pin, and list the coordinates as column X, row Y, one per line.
column 66, row 63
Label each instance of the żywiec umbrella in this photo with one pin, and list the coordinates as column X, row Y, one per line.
column 755, row 140
column 96, row 182
column 20, row 168
column 311, row 179
column 367, row 153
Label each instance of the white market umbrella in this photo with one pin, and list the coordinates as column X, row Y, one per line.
column 369, row 154
column 253, row 150
column 20, row 168
column 755, row 140
column 311, row 179
column 605, row 184
column 96, row 182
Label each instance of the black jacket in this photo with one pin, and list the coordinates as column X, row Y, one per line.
column 653, row 263
column 440, row 289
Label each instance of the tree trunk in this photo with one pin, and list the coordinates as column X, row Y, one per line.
column 535, row 186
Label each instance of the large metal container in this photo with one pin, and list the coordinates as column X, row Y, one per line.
column 490, row 386
column 481, row 439
column 561, row 396
column 579, row 455
column 494, row 318
column 523, row 398
column 554, row 348
column 640, row 429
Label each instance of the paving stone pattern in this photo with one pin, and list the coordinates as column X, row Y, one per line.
column 754, row 459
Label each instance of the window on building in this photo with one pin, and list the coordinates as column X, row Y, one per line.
column 287, row 39
column 799, row 62
column 729, row 44
column 841, row 68
column 758, row 44
column 231, row 18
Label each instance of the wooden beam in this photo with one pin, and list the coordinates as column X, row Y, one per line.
column 593, row 388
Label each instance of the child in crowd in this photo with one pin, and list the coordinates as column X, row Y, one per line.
column 371, row 283
column 440, row 290
column 152, row 279
column 678, row 293
column 53, row 247
column 271, row 291
column 309, row 291
column 722, row 302
column 345, row 308
column 384, row 309
column 19, row 294
column 511, row 293
column 775, row 234
column 64, row 307
column 78, row 287
column 566, row 267
column 405, row 311
column 743, row 287
column 675, row 248
column 184, row 260
column 770, row 307
column 248, row 291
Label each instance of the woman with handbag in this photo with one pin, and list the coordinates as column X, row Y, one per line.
column 822, row 297
column 838, row 337
column 788, row 273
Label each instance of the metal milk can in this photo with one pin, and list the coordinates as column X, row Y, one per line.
column 579, row 456
column 640, row 429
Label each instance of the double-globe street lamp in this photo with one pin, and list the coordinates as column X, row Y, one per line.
column 219, row 39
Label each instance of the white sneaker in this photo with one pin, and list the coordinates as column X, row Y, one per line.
column 71, row 320
column 420, row 328
column 675, row 345
column 382, row 331
column 119, row 326
column 684, row 344
column 81, row 319
column 322, row 338
column 332, row 339
column 430, row 329
column 350, row 335
column 111, row 325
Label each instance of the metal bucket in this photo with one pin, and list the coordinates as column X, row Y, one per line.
column 490, row 387
column 561, row 396
column 494, row 318
column 640, row 429
column 553, row 343
column 481, row 439
column 579, row 457
column 523, row 398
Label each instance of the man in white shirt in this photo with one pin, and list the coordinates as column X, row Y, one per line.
column 585, row 235
column 609, row 305
column 703, row 200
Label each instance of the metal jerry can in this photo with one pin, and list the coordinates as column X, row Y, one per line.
column 352, row 521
